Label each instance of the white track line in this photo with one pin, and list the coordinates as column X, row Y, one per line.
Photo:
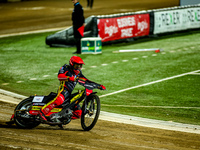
column 10, row 101
column 31, row 32
column 152, row 123
column 134, row 87
column 195, row 73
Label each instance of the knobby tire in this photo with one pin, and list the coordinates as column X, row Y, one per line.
column 21, row 122
column 96, row 103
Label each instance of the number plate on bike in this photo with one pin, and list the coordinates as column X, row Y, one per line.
column 38, row 99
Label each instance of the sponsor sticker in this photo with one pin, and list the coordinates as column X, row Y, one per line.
column 37, row 99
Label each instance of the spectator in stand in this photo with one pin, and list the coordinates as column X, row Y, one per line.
column 90, row 3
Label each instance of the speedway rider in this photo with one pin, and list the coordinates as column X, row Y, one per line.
column 68, row 73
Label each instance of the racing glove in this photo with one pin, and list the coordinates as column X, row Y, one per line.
column 101, row 87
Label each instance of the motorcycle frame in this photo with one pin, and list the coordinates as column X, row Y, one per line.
column 73, row 101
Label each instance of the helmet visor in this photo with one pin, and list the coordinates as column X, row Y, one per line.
column 77, row 66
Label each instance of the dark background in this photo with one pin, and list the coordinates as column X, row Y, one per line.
column 32, row 15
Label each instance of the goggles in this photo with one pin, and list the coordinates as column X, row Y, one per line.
column 77, row 66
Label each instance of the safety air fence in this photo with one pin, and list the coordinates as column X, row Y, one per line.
column 126, row 27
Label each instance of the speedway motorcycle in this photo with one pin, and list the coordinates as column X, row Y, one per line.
column 26, row 112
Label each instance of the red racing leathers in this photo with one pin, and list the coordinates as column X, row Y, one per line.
column 65, row 74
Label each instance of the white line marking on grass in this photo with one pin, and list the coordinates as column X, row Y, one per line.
column 134, row 87
column 124, row 60
column 135, row 58
column 114, row 62
column 163, row 53
column 33, row 79
column 20, row 81
column 144, row 56
column 152, row 106
column 104, row 64
column 45, row 76
column 154, row 54
column 5, row 83
column 93, row 66
column 195, row 73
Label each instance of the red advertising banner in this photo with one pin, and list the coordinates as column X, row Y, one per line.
column 110, row 29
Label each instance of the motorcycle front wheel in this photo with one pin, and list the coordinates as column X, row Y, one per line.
column 21, row 116
column 90, row 112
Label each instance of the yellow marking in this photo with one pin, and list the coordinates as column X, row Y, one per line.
column 56, row 109
column 60, row 89
column 76, row 97
column 36, row 107
column 39, row 107
column 82, row 79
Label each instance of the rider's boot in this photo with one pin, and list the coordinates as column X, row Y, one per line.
column 47, row 108
column 77, row 112
column 44, row 111
column 42, row 117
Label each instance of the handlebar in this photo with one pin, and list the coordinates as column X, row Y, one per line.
column 90, row 85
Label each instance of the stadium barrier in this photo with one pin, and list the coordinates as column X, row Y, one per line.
column 66, row 38
column 125, row 27
column 176, row 19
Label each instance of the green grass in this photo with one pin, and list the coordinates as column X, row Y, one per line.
column 174, row 99
column 27, row 57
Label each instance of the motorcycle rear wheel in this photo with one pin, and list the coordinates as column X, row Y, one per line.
column 22, row 109
column 90, row 112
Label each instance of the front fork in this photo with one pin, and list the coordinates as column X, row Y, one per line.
column 89, row 101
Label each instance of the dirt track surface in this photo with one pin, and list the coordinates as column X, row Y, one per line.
column 105, row 135
column 44, row 14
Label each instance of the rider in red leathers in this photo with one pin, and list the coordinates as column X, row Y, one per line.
column 68, row 73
